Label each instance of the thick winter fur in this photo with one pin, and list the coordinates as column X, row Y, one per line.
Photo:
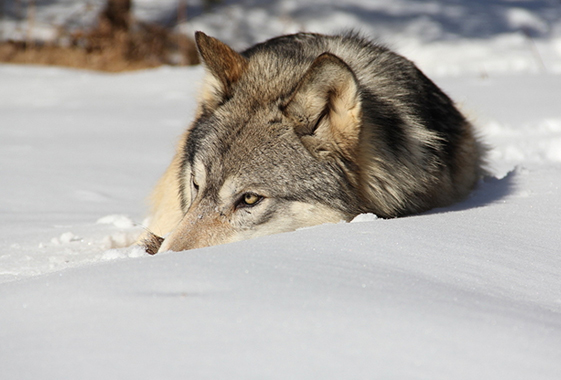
column 307, row 129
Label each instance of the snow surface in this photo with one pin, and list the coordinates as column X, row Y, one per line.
column 472, row 291
column 444, row 37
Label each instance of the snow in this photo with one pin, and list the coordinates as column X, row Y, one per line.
column 444, row 37
column 471, row 291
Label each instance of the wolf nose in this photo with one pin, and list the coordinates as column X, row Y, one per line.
column 152, row 243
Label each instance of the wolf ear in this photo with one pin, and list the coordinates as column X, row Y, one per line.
column 326, row 107
column 224, row 65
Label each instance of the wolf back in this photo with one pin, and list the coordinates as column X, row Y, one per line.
column 306, row 129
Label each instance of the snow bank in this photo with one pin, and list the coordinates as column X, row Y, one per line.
column 79, row 154
column 443, row 37
column 469, row 294
column 466, row 292
column 471, row 291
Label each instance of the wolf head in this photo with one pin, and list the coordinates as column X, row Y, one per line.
column 273, row 148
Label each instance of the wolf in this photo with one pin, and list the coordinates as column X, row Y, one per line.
column 306, row 129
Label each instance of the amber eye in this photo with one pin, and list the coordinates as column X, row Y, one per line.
column 249, row 199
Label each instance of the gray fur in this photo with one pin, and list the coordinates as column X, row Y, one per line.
column 333, row 126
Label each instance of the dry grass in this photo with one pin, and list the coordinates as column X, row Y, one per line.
column 116, row 44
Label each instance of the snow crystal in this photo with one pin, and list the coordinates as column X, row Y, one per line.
column 119, row 221
column 368, row 217
column 112, row 254
column 120, row 239
column 65, row 238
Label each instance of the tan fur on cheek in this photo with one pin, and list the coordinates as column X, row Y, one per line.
column 296, row 215
column 166, row 211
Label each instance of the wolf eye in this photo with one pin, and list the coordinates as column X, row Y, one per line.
column 248, row 200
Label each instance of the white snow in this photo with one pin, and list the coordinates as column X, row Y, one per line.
column 472, row 291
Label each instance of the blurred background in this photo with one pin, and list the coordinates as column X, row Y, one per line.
column 442, row 36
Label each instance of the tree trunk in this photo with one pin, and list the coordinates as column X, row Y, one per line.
column 117, row 14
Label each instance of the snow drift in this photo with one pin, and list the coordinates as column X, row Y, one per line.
column 467, row 292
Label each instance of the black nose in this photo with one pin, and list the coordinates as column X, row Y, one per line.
column 152, row 243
